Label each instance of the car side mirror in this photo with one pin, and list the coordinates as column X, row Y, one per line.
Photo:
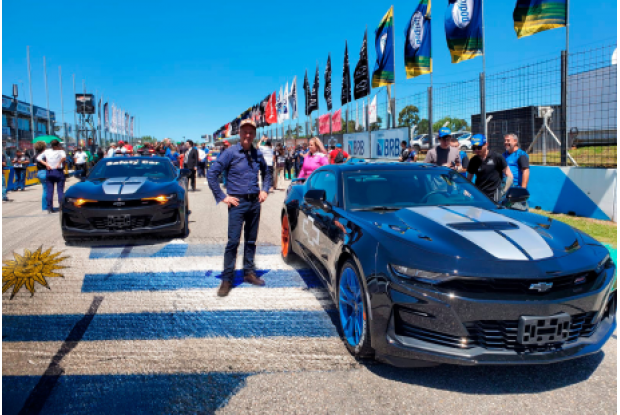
column 316, row 198
column 185, row 173
column 516, row 195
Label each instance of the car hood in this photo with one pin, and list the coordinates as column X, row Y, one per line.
column 475, row 233
column 116, row 187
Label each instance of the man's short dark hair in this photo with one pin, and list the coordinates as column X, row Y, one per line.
column 55, row 143
column 191, row 143
column 333, row 147
column 403, row 142
column 268, row 143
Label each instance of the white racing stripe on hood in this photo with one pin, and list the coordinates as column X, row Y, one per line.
column 527, row 238
column 123, row 185
column 490, row 241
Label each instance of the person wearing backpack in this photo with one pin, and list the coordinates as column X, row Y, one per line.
column 337, row 155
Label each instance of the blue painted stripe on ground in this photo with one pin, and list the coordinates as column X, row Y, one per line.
column 154, row 326
column 169, row 251
column 157, row 281
column 122, row 394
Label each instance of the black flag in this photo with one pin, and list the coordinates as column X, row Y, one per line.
column 345, row 96
column 328, row 83
column 306, row 93
column 360, row 76
column 314, row 97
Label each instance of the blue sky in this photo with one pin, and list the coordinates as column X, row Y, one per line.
column 186, row 68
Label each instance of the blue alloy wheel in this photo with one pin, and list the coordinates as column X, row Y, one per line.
column 351, row 305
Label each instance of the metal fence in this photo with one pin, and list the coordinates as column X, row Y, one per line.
column 563, row 109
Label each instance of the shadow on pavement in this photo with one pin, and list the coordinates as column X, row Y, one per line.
column 494, row 380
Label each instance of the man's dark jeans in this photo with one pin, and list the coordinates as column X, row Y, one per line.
column 20, row 179
column 247, row 212
column 58, row 177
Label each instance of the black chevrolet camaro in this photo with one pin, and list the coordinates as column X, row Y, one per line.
column 425, row 269
column 127, row 196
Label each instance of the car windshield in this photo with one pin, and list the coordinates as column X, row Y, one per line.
column 155, row 169
column 398, row 189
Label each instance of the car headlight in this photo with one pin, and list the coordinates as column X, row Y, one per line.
column 421, row 275
column 161, row 198
column 78, row 202
column 605, row 263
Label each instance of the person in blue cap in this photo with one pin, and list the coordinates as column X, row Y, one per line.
column 337, row 155
column 489, row 168
column 444, row 154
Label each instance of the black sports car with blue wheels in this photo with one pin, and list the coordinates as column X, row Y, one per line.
column 425, row 269
column 125, row 196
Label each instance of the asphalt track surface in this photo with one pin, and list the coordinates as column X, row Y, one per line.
column 135, row 326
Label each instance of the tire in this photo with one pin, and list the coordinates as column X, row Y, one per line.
column 286, row 241
column 352, row 308
column 185, row 231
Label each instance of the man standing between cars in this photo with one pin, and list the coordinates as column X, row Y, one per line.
column 268, row 154
column 111, row 150
column 517, row 160
column 20, row 166
column 338, row 155
column 202, row 155
column 489, row 168
column 191, row 162
column 444, row 154
column 81, row 162
column 243, row 163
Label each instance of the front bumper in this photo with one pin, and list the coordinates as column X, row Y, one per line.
column 410, row 323
column 84, row 221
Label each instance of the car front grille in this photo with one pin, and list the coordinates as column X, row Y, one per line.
column 101, row 223
column 494, row 334
column 519, row 286
column 116, row 204
column 166, row 220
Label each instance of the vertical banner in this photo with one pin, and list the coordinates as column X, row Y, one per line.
column 328, row 83
column 383, row 73
column 314, row 96
column 463, row 23
column 131, row 127
column 293, row 98
column 534, row 16
column 271, row 114
column 360, row 75
column 99, row 115
column 285, row 107
column 106, row 117
column 126, row 123
column 324, row 123
column 345, row 96
column 306, row 93
column 337, row 120
column 418, row 57
column 279, row 106
column 372, row 111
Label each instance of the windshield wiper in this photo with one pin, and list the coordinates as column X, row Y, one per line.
column 383, row 208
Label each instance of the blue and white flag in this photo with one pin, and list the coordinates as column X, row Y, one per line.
column 463, row 23
column 285, row 106
column 293, row 99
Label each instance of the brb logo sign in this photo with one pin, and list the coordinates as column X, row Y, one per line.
column 462, row 11
column 387, row 147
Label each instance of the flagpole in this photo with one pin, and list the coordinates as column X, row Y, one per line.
column 30, row 87
column 62, row 107
column 394, row 88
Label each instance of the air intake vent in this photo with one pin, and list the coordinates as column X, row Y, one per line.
column 484, row 226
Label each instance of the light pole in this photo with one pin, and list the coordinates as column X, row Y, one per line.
column 15, row 93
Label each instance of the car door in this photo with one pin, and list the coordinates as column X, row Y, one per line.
column 307, row 233
column 324, row 220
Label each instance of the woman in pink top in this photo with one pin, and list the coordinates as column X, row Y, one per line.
column 314, row 159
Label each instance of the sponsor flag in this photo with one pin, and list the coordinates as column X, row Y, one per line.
column 106, row 117
column 364, row 114
column 131, row 127
column 372, row 111
column 360, row 75
column 463, row 23
column 357, row 116
column 293, row 98
column 324, row 123
column 271, row 114
column 328, row 83
column 279, row 105
column 113, row 120
column 533, row 16
column 314, row 96
column 337, row 120
column 383, row 73
column 234, row 126
column 418, row 58
column 285, row 107
column 345, row 96
column 228, row 130
column 99, row 114
column 126, row 123
column 307, row 93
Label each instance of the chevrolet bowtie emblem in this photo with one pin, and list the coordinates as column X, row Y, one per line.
column 541, row 287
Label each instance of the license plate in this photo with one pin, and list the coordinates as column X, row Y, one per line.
column 539, row 331
column 119, row 221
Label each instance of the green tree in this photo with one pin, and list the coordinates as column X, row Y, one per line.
column 148, row 139
column 409, row 116
column 422, row 126
column 376, row 125
column 454, row 124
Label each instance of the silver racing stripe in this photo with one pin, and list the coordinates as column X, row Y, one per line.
column 123, row 185
column 527, row 238
column 132, row 185
column 492, row 242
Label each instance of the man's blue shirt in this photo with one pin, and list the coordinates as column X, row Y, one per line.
column 243, row 168
column 517, row 162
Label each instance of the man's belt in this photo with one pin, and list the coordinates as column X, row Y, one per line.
column 249, row 197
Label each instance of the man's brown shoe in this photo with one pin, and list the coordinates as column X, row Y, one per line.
column 224, row 289
column 251, row 278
